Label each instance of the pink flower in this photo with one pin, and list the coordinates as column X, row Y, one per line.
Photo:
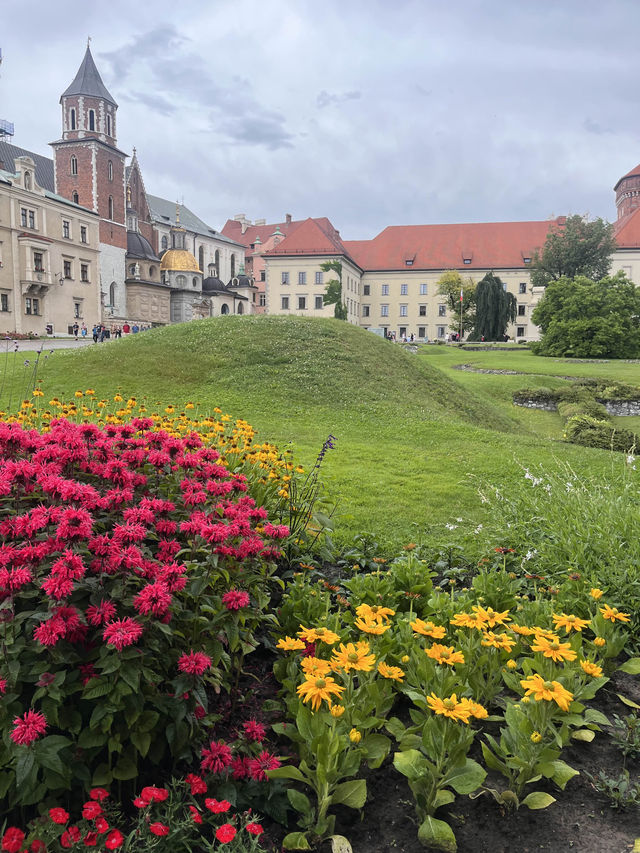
column 90, row 839
column 3, row 685
column 70, row 836
column 122, row 632
column 28, row 728
column 217, row 757
column 254, row 731
column 98, row 794
column 195, row 663
column 235, row 599
column 100, row 614
column 102, row 825
column 154, row 598
column 48, row 633
column 217, row 807
column 258, row 766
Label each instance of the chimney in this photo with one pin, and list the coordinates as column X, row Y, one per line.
column 288, row 218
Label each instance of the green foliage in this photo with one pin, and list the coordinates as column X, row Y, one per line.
column 621, row 790
column 333, row 290
column 625, row 733
column 578, row 247
column 495, row 309
column 450, row 284
column 585, row 318
column 593, row 432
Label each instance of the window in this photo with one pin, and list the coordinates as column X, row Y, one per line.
column 27, row 218
column 302, row 278
column 132, row 269
column 4, row 301
column 224, row 309
column 216, row 261
column 181, row 281
column 441, row 332
column 384, row 310
column 522, row 310
column 467, row 260
column 318, row 278
column 240, row 308
column 164, row 242
column 366, row 289
column 74, row 164
column 422, row 331
column 109, row 126
column 37, row 262
column 110, row 207
column 285, row 278
column 423, row 290
column 152, row 272
column 403, row 331
column 520, row 331
column 23, row 216
column 366, row 311
column 285, row 303
column 233, row 266
column 302, row 303
column 404, row 311
column 201, row 257
column 73, row 119
column 194, row 282
column 263, row 275
column 404, row 289
column 110, row 170
column 67, row 269
column 522, row 287
column 409, row 262
column 32, row 219
column 385, row 290
column 83, row 234
column 422, row 310
column 504, row 285
column 92, row 120
column 31, row 306
column 527, row 260
column 84, row 272
column 112, row 294
column 442, row 310
column 66, row 228
column 76, row 198
column 77, row 310
column 263, row 300
column 319, row 303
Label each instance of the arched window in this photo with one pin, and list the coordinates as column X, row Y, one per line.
column 152, row 272
column 110, row 207
column 217, row 262
column 27, row 180
column 212, row 270
column 109, row 125
column 240, row 309
column 76, row 198
column 181, row 281
column 165, row 242
column 110, row 170
column 201, row 258
column 112, row 294
column 74, row 164
column 73, row 119
column 233, row 265
column 194, row 281
column 92, row 120
column 132, row 269
column 224, row 309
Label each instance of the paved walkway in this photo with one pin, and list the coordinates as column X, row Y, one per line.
column 10, row 345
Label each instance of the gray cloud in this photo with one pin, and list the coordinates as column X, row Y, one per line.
column 162, row 40
column 595, row 127
column 325, row 99
column 155, row 102
column 265, row 129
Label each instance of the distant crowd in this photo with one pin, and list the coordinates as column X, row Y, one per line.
column 100, row 332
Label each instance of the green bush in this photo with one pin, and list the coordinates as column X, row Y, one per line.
column 592, row 432
column 568, row 409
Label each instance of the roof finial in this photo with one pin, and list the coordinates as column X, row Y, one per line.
column 88, row 41
column 177, row 213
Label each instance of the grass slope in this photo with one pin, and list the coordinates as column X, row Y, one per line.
column 409, row 433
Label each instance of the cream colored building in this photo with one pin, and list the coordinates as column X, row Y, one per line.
column 49, row 257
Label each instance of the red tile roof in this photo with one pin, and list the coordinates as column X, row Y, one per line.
column 486, row 245
column 633, row 173
column 233, row 229
column 312, row 237
column 627, row 230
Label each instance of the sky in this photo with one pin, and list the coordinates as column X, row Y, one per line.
column 369, row 112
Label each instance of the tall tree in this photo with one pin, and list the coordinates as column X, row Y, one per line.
column 495, row 309
column 451, row 285
column 333, row 290
column 578, row 247
column 582, row 318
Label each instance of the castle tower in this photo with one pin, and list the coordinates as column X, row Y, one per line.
column 627, row 192
column 90, row 168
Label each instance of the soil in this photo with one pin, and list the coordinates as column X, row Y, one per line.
column 581, row 820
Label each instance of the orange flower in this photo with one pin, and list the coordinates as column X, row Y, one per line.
column 315, row 689
column 374, row 613
column 569, row 622
column 521, row 629
column 392, row 672
column 491, row 617
column 354, row 657
column 498, row 641
column 428, row 629
column 444, row 654
column 313, row 635
column 315, row 666
column 553, row 649
column 371, row 627
column 613, row 614
column 290, row 644
column 591, row 668
column 451, row 707
column 540, row 689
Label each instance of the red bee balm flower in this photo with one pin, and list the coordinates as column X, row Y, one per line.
column 195, row 663
column 58, row 815
column 225, row 833
column 159, row 828
column 28, row 728
column 235, row 599
column 254, row 730
column 217, row 757
column 12, row 840
column 121, row 633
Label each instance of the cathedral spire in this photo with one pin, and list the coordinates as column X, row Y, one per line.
column 88, row 81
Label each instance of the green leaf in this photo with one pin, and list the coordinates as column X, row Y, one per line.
column 560, row 772
column 626, row 701
column 141, row 741
column 376, row 748
column 538, row 800
column 466, row 778
column 299, row 801
column 296, row 841
column 288, row 772
column 340, row 844
column 586, row 735
column 491, row 760
column 443, row 798
column 592, row 715
column 631, row 666
column 438, row 834
column 24, row 766
column 410, row 763
column 90, row 738
column 97, row 689
column 125, row 769
column 352, row 794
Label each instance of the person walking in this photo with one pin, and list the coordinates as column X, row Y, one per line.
column 83, row 331
column 76, row 329
column 95, row 333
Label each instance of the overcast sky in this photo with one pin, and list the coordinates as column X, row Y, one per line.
column 370, row 112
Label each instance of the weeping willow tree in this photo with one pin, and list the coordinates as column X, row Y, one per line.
column 333, row 290
column 495, row 309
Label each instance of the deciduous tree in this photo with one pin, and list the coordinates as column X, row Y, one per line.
column 577, row 247
column 451, row 285
column 333, row 290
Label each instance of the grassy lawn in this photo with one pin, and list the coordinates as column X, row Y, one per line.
column 414, row 436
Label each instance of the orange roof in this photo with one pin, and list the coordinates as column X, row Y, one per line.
column 627, row 230
column 633, row 173
column 483, row 245
column 233, row 229
column 312, row 237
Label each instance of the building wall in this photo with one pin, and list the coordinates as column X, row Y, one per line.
column 627, row 261
column 148, row 303
column 193, row 243
column 304, row 298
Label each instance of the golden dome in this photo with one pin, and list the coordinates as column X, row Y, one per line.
column 179, row 259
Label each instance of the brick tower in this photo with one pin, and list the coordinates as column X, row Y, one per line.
column 90, row 168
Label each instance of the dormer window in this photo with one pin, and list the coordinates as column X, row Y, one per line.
column 467, row 260
column 92, row 120
column 527, row 260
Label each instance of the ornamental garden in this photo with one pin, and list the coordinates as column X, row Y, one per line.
column 192, row 658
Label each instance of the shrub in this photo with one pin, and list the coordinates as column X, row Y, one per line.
column 589, row 407
column 592, row 432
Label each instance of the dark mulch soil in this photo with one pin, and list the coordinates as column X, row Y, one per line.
column 581, row 820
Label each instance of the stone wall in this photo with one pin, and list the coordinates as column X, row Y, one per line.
column 622, row 408
column 547, row 405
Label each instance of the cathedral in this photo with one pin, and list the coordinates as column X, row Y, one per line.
column 82, row 242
